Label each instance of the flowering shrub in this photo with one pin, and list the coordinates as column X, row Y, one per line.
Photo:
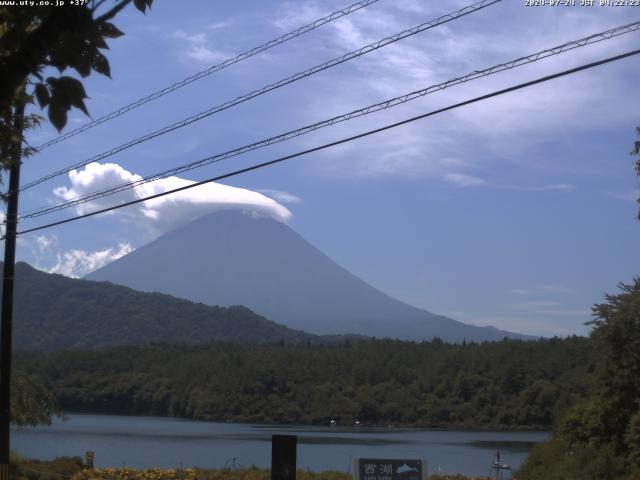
column 134, row 474
column 197, row 474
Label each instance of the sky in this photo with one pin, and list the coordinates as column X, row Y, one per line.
column 517, row 212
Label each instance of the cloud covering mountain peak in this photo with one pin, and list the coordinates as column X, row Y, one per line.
column 163, row 214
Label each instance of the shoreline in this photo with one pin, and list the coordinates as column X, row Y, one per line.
column 451, row 428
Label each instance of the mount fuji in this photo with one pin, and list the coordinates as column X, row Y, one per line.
column 238, row 258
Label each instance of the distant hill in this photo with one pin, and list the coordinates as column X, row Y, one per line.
column 54, row 312
column 237, row 258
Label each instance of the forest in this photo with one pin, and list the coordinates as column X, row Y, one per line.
column 53, row 312
column 599, row 436
column 499, row 385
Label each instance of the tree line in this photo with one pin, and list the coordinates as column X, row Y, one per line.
column 599, row 436
column 508, row 384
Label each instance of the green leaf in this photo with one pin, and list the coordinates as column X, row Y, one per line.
column 99, row 42
column 82, row 62
column 57, row 115
column 74, row 92
column 71, row 86
column 52, row 81
column 65, row 93
column 58, row 63
column 79, row 104
column 100, row 64
column 109, row 30
column 42, row 95
column 140, row 5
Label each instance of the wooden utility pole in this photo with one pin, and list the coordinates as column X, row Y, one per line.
column 7, row 287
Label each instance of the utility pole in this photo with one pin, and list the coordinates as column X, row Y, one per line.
column 7, row 287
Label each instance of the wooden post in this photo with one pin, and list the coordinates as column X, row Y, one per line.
column 88, row 459
column 283, row 457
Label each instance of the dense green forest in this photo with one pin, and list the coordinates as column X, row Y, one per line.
column 508, row 384
column 54, row 312
column 599, row 436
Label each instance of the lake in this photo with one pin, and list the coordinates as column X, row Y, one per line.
column 164, row 442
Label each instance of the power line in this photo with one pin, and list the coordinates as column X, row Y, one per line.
column 214, row 68
column 281, row 83
column 341, row 141
column 607, row 34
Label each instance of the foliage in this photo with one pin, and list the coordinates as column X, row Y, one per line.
column 636, row 151
column 28, row 469
column 558, row 460
column 508, row 384
column 599, row 438
column 54, row 312
column 41, row 37
column 632, row 441
column 223, row 474
column 617, row 335
column 456, row 477
column 135, row 474
column 31, row 403
column 198, row 474
column 73, row 468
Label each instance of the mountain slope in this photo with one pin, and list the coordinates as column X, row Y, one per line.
column 235, row 258
column 54, row 312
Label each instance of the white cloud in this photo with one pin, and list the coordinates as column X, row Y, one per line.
column 294, row 15
column 219, row 25
column 198, row 46
column 553, row 187
column 463, row 180
column 281, row 196
column 411, row 6
column 78, row 263
column 501, row 129
column 520, row 291
column 629, row 197
column 563, row 187
column 165, row 213
column 43, row 242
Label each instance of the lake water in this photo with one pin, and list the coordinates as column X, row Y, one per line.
column 148, row 441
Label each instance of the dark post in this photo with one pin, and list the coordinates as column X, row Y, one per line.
column 283, row 457
column 88, row 459
column 7, row 292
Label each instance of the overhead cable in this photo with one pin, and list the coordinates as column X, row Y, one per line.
column 212, row 69
column 339, row 142
column 273, row 86
column 607, row 34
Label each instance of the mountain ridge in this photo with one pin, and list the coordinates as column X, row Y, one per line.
column 54, row 312
column 231, row 257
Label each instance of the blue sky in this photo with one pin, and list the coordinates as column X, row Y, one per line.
column 516, row 212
